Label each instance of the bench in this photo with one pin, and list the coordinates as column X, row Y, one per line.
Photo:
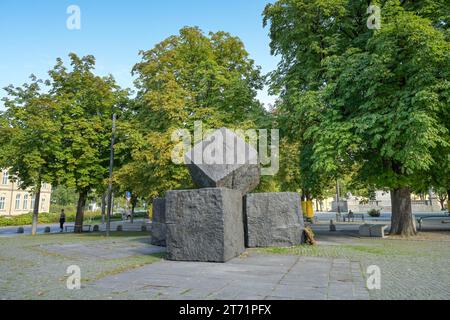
column 351, row 217
column 86, row 228
column 442, row 219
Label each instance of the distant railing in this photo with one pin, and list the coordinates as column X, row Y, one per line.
column 420, row 202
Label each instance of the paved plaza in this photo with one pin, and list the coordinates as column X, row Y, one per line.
column 126, row 266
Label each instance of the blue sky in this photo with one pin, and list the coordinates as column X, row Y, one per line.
column 33, row 33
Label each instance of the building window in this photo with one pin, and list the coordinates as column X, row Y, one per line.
column 18, row 202
column 25, row 202
column 5, row 178
column 43, row 204
column 32, row 201
column 2, row 203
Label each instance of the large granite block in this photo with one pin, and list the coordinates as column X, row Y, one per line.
column 372, row 230
column 158, row 228
column 273, row 220
column 224, row 160
column 204, row 225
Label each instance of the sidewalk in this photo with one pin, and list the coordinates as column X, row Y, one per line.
column 127, row 226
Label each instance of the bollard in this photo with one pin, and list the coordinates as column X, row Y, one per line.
column 332, row 226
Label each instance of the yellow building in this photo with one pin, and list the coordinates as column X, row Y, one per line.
column 14, row 201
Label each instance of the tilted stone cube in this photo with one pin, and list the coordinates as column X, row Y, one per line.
column 158, row 227
column 224, row 160
column 273, row 220
column 204, row 225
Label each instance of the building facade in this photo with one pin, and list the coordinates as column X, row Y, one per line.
column 382, row 203
column 14, row 201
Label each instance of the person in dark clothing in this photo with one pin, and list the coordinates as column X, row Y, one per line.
column 62, row 220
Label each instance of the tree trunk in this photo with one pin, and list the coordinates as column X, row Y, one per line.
column 442, row 202
column 80, row 212
column 104, row 195
column 36, row 210
column 132, row 212
column 402, row 218
column 448, row 200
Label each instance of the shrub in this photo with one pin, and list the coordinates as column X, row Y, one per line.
column 49, row 218
column 374, row 213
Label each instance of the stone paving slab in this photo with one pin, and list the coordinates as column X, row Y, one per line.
column 257, row 276
column 102, row 250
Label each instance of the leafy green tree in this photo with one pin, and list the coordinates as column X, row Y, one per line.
column 186, row 78
column 379, row 97
column 88, row 103
column 63, row 196
column 30, row 143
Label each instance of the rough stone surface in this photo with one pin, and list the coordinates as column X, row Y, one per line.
column 204, row 225
column 158, row 228
column 224, row 160
column 273, row 220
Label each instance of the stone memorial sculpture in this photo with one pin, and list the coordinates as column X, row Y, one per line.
column 216, row 221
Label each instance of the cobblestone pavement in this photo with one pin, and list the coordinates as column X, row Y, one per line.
column 127, row 267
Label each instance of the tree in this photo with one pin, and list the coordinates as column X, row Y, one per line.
column 30, row 144
column 186, row 78
column 88, row 102
column 381, row 96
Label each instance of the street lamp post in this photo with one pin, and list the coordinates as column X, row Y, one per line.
column 111, row 164
column 338, row 196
